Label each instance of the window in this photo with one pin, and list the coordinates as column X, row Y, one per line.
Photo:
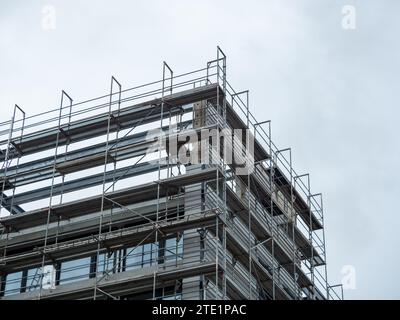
column 147, row 254
column 174, row 249
column 106, row 263
column 134, row 258
column 13, row 283
column 75, row 270
column 33, row 279
column 179, row 248
column 170, row 249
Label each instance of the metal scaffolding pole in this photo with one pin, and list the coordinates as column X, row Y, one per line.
column 9, row 158
column 49, row 210
column 310, row 233
column 115, row 153
column 221, row 125
column 271, row 182
column 320, row 205
column 293, row 217
column 5, row 166
column 106, row 160
column 250, row 244
column 160, row 139
column 224, row 171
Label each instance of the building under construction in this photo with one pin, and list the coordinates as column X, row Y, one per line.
column 96, row 204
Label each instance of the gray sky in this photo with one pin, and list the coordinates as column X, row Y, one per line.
column 331, row 93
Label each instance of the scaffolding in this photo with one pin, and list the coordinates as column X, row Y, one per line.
column 127, row 219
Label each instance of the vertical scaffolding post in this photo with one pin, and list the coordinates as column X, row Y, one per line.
column 106, row 160
column 49, row 210
column 237, row 94
column 249, row 215
column 207, row 72
column 8, row 160
column 221, row 56
column 6, row 165
column 310, row 232
column 67, row 136
column 115, row 154
column 16, row 107
column 246, row 92
column 319, row 196
column 324, row 249
column 218, row 155
column 292, row 217
column 271, row 182
column 160, row 141
column 272, row 225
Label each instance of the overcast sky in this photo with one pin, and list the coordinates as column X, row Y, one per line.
column 330, row 92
